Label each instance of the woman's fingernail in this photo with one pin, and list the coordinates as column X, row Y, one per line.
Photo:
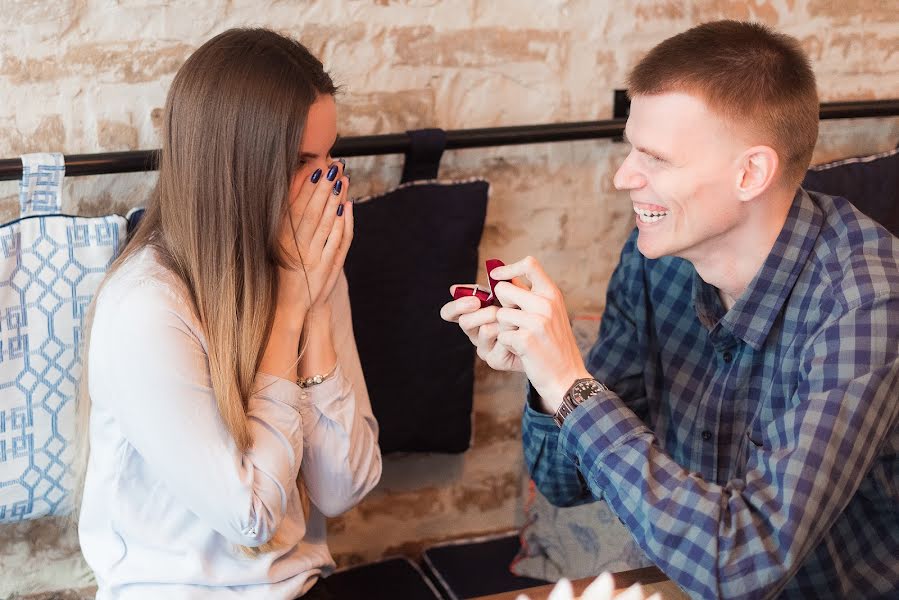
column 337, row 187
column 332, row 173
column 340, row 210
column 316, row 175
column 343, row 162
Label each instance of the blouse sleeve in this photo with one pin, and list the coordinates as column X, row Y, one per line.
column 342, row 460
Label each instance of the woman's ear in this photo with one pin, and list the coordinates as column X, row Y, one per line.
column 758, row 168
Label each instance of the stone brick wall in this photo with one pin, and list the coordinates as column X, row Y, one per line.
column 83, row 76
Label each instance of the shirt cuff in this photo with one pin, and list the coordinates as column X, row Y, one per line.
column 278, row 389
column 538, row 419
column 596, row 427
column 332, row 399
column 533, row 398
column 327, row 392
column 536, row 426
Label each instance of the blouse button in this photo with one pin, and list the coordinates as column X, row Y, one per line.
column 706, row 435
column 728, row 357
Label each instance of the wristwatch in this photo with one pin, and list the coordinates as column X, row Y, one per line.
column 579, row 391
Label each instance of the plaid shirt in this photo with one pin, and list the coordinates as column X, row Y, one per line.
column 753, row 451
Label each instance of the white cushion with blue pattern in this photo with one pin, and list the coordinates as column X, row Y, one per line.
column 50, row 267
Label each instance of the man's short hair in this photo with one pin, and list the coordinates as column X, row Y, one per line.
column 753, row 77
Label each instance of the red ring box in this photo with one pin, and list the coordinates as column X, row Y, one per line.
column 486, row 297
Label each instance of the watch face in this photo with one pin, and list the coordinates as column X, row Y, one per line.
column 585, row 388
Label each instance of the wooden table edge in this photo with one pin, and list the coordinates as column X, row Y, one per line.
column 623, row 580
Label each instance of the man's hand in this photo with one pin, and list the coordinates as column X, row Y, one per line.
column 480, row 325
column 534, row 328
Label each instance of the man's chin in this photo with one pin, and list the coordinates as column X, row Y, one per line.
column 648, row 249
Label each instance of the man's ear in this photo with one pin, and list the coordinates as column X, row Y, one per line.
column 757, row 171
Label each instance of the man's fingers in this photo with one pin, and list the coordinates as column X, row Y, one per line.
column 452, row 311
column 487, row 336
column 516, row 341
column 510, row 319
column 527, row 267
column 470, row 322
column 499, row 358
column 529, row 301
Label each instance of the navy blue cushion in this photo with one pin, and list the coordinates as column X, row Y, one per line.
column 475, row 568
column 409, row 245
column 134, row 217
column 386, row 580
column 871, row 183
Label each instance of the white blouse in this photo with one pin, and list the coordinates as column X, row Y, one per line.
column 168, row 497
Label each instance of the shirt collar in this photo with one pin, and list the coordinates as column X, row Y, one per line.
column 756, row 310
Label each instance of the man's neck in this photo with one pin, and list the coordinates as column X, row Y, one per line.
column 732, row 261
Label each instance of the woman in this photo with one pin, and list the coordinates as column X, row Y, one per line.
column 228, row 415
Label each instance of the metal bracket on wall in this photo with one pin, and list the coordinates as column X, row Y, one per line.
column 621, row 108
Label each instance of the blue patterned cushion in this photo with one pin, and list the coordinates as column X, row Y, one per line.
column 574, row 542
column 50, row 267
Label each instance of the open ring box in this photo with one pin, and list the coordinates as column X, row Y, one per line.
column 486, row 296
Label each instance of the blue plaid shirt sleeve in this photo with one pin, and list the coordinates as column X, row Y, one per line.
column 555, row 473
column 617, row 359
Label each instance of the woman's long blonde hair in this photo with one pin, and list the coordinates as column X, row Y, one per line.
column 233, row 124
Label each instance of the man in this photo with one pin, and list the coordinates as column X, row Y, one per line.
column 738, row 411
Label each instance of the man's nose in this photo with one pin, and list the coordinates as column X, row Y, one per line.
column 628, row 177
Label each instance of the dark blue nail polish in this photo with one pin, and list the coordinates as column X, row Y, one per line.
column 343, row 162
column 332, row 173
column 316, row 175
column 340, row 210
column 337, row 187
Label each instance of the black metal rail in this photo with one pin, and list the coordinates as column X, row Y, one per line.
column 398, row 143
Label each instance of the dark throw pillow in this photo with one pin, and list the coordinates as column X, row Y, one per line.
column 410, row 244
column 871, row 183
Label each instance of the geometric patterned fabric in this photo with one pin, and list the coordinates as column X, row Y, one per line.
column 50, row 267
